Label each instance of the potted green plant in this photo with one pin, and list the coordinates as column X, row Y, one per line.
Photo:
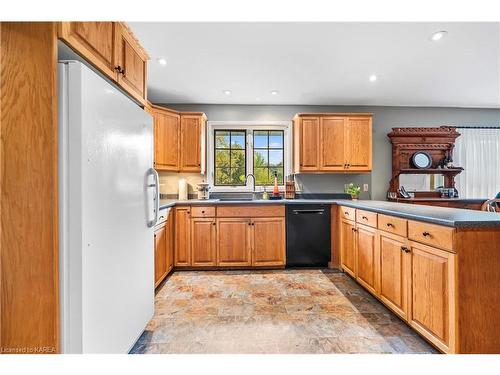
column 354, row 190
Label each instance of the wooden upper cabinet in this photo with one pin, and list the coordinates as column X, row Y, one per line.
column 358, row 143
column 309, row 144
column 332, row 131
column 95, row 41
column 432, row 310
column 268, row 241
column 131, row 62
column 332, row 142
column 166, row 139
column 203, row 242
column 233, row 242
column 112, row 48
column 192, row 142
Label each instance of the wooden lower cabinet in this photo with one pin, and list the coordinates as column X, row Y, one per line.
column 182, row 255
column 432, row 311
column 348, row 247
column 415, row 280
column 160, row 253
column 366, row 257
column 164, row 249
column 394, row 272
column 234, row 242
column 268, row 241
column 170, row 236
column 203, row 242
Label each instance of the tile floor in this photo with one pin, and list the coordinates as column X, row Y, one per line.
column 282, row 311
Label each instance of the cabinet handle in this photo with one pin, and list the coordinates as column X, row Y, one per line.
column 354, row 229
column 346, row 213
column 249, row 223
column 425, row 234
column 213, row 223
column 364, row 218
column 405, row 249
column 390, row 225
column 202, row 212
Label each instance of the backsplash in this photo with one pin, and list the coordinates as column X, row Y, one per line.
column 169, row 182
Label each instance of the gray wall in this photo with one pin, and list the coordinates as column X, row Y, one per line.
column 384, row 118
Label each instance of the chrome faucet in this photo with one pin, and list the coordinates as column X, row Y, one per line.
column 254, row 193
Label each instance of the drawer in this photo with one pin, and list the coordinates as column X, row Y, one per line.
column 431, row 234
column 348, row 213
column 366, row 218
column 202, row 211
column 393, row 224
column 263, row 210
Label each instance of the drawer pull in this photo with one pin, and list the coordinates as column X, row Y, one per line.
column 405, row 249
column 364, row 218
column 390, row 225
column 426, row 234
column 203, row 211
column 346, row 213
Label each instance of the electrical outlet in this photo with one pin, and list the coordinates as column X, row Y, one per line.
column 365, row 187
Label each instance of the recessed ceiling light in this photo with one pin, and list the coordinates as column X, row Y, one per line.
column 227, row 92
column 274, row 92
column 162, row 61
column 372, row 78
column 438, row 35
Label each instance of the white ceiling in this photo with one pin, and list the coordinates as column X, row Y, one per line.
column 323, row 63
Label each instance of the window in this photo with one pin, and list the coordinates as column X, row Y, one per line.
column 230, row 157
column 268, row 156
column 478, row 152
column 236, row 149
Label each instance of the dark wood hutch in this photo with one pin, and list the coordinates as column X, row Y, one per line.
column 438, row 142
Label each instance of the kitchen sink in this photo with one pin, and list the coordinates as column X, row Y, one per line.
column 236, row 199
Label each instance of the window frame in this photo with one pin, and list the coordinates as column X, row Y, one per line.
column 269, row 149
column 249, row 127
column 229, row 149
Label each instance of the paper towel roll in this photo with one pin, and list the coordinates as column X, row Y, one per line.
column 183, row 189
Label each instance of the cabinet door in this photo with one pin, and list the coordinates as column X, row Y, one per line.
column 190, row 153
column 182, row 236
column 95, row 41
column 132, row 62
column 170, row 227
column 268, row 242
column 394, row 267
column 166, row 140
column 203, row 245
column 358, row 143
column 348, row 247
column 366, row 257
column 160, row 254
column 432, row 311
column 332, row 143
column 309, row 144
column 233, row 242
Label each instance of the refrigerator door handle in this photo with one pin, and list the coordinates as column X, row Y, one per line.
column 156, row 198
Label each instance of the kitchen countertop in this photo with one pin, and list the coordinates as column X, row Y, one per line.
column 452, row 217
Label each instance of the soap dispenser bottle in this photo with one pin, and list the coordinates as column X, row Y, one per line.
column 276, row 190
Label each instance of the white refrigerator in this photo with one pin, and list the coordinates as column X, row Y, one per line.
column 108, row 199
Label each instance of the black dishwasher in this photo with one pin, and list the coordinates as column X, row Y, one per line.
column 308, row 235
